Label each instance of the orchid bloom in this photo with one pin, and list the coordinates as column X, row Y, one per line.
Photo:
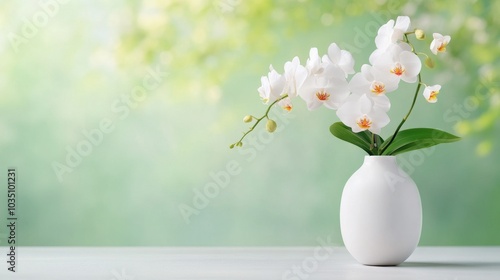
column 360, row 113
column 286, row 104
column 399, row 61
column 314, row 65
column 374, row 81
column 272, row 86
column 361, row 103
column 329, row 88
column 431, row 93
column 390, row 33
column 340, row 58
column 295, row 75
column 439, row 43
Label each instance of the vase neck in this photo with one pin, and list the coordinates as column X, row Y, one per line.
column 380, row 160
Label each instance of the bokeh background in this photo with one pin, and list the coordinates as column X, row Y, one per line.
column 67, row 67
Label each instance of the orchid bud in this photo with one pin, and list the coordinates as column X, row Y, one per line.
column 247, row 118
column 429, row 62
column 271, row 125
column 231, row 146
column 419, row 34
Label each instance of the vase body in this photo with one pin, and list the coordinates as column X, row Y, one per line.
column 380, row 213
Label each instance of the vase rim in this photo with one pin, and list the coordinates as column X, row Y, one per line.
column 379, row 156
column 381, row 159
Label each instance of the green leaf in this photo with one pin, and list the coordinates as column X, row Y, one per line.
column 416, row 138
column 360, row 139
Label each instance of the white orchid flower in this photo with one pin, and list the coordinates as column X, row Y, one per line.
column 391, row 32
column 286, row 104
column 373, row 81
column 295, row 75
column 400, row 62
column 314, row 64
column 330, row 88
column 439, row 43
column 431, row 93
column 272, row 86
column 340, row 58
column 360, row 113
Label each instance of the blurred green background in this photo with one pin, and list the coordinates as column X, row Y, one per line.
column 74, row 68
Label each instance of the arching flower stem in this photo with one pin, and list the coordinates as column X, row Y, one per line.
column 419, row 84
column 265, row 116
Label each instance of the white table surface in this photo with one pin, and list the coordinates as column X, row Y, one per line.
column 296, row 263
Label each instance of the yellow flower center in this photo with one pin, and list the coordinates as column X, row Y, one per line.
column 442, row 47
column 433, row 95
column 398, row 69
column 364, row 122
column 322, row 95
column 288, row 107
column 377, row 87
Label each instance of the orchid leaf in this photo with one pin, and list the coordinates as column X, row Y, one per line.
column 360, row 139
column 416, row 138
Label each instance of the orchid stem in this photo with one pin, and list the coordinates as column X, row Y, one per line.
column 266, row 115
column 411, row 107
column 406, row 117
column 372, row 145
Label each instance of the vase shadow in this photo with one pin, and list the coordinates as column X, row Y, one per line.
column 452, row 264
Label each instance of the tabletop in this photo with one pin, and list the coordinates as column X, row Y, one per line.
column 287, row 263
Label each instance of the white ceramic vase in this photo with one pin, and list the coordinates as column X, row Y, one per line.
column 380, row 213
